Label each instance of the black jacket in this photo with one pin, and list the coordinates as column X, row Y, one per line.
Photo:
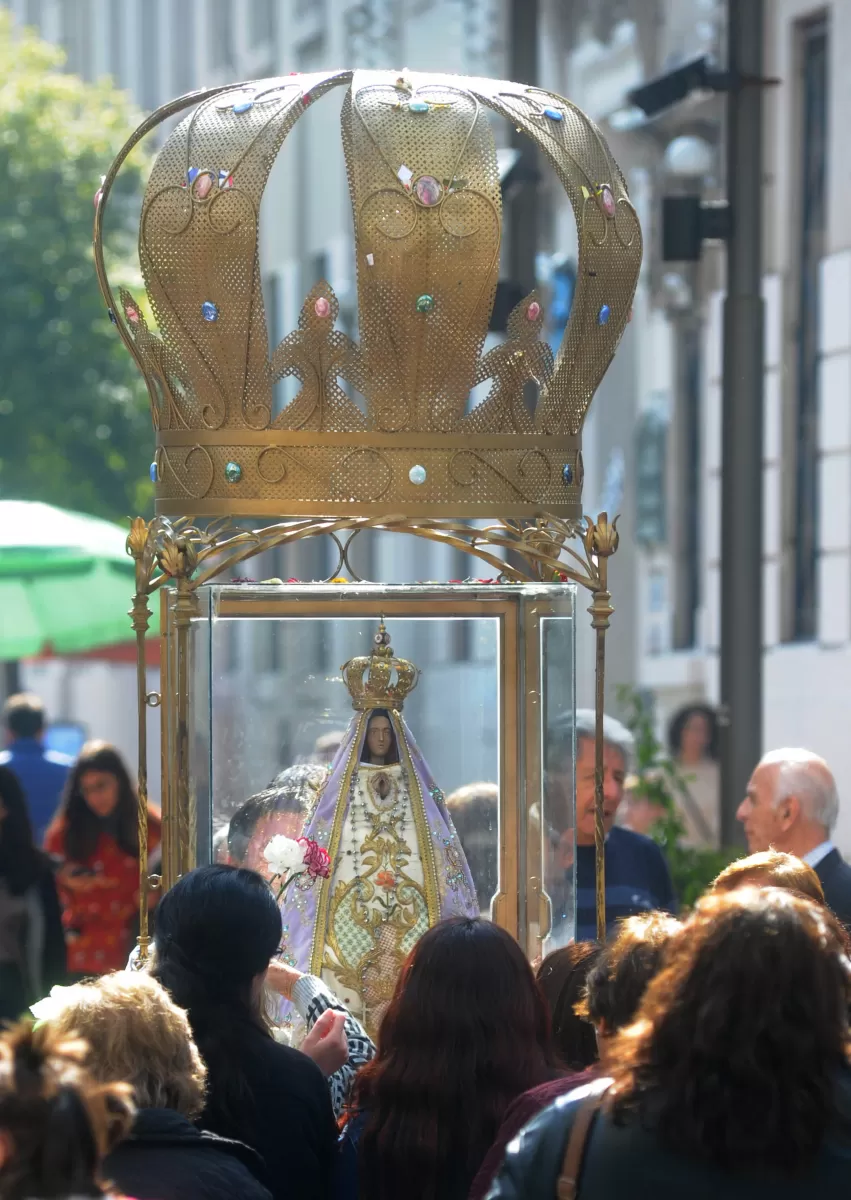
column 42, row 959
column 286, row 1115
column 835, row 875
column 166, row 1158
column 628, row 1161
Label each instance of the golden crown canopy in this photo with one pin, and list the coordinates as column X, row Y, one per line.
column 424, row 184
column 370, row 677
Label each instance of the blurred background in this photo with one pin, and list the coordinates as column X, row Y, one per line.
column 652, row 444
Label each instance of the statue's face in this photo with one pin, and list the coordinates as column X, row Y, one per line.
column 379, row 735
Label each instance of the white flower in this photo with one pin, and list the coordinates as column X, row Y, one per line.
column 284, row 856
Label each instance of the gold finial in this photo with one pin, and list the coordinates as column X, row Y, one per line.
column 369, row 678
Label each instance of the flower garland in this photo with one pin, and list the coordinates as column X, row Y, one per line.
column 290, row 859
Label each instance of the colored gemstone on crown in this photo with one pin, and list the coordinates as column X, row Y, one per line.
column 567, row 474
column 192, row 174
column 553, row 114
column 418, row 106
column 233, row 472
column 243, row 106
column 225, row 179
column 428, row 191
column 607, row 200
column 132, row 314
column 209, row 311
column 322, row 307
column 533, row 311
column 154, row 473
column 604, row 314
column 112, row 316
column 425, row 304
column 417, row 475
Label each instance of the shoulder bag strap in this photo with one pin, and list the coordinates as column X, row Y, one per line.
column 567, row 1187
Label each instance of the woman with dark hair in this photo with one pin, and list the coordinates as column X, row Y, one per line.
column 561, row 977
column 734, row 1080
column 95, row 834
column 215, row 933
column 32, row 944
column 693, row 742
column 379, row 745
column 467, row 1030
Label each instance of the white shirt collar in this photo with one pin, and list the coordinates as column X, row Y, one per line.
column 815, row 856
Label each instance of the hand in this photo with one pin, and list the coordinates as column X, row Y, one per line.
column 282, row 979
column 326, row 1043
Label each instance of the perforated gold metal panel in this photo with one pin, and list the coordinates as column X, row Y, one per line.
column 425, row 193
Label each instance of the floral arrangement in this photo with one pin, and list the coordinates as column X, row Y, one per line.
column 290, row 859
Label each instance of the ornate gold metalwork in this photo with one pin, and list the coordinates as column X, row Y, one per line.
column 370, row 677
column 426, row 201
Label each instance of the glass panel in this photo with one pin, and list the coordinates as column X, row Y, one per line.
column 487, row 730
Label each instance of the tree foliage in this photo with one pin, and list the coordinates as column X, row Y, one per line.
column 74, row 420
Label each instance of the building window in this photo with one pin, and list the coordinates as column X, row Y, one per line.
column 687, row 506
column 262, row 24
column 221, row 33
column 116, row 43
column 184, row 47
column 811, row 247
column 150, row 51
column 76, row 32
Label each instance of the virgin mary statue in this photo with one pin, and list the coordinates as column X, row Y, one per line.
column 397, row 864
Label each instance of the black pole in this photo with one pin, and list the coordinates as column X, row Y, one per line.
column 523, row 215
column 741, row 493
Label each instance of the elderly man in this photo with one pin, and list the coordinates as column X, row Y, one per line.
column 637, row 876
column 792, row 805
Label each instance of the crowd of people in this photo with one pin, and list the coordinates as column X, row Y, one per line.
column 705, row 1051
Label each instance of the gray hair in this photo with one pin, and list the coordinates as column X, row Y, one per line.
column 809, row 779
column 614, row 733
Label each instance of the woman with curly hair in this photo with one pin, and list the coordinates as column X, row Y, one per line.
column 734, row 1080
column 467, row 1030
column 56, row 1124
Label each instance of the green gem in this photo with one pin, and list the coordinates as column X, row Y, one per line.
column 417, row 106
column 425, row 303
column 233, row 472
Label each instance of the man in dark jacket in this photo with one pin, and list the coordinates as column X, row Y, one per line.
column 637, row 876
column 167, row 1158
column 792, row 805
column 42, row 773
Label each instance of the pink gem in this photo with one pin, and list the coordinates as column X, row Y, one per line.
column 98, row 196
column 608, row 201
column 132, row 314
column 533, row 311
column 322, row 308
column 203, row 185
column 428, row 191
column 306, row 99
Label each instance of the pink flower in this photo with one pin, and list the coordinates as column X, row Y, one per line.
column 316, row 859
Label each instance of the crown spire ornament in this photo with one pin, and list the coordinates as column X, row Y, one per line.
column 370, row 677
column 423, row 179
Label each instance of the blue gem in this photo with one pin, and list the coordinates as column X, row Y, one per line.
column 233, row 472
column 154, row 473
column 567, row 474
column 209, row 311
column 604, row 314
column 112, row 316
column 243, row 106
column 554, row 114
column 418, row 106
column 192, row 174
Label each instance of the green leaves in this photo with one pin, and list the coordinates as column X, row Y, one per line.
column 74, row 423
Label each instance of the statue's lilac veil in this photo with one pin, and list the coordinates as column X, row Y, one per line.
column 455, row 891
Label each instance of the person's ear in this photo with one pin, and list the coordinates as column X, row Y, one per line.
column 788, row 811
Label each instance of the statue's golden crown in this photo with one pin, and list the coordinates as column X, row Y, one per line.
column 425, row 192
column 379, row 679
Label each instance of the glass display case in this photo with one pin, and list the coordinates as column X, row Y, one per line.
column 484, row 738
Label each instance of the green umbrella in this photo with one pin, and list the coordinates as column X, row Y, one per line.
column 66, row 582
